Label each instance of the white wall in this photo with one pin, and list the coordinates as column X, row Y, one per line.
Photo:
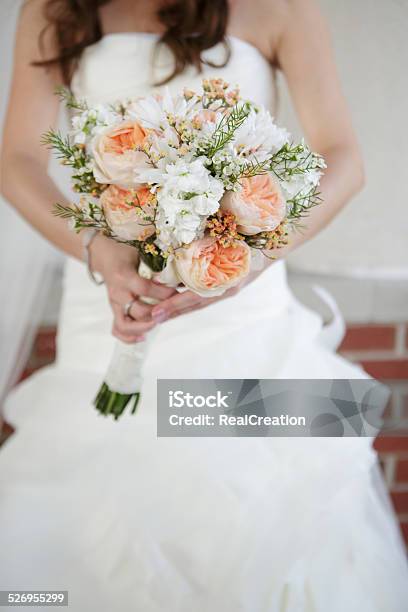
column 370, row 36
column 370, row 238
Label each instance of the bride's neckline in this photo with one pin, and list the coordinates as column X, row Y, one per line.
column 154, row 35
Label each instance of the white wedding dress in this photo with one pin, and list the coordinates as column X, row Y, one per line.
column 126, row 521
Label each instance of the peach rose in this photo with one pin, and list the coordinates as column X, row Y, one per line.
column 116, row 153
column 209, row 269
column 259, row 206
column 129, row 213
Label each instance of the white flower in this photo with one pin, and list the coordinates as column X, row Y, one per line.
column 91, row 122
column 187, row 194
column 153, row 111
column 80, row 137
column 203, row 204
column 293, row 186
column 312, row 177
column 302, row 184
column 259, row 136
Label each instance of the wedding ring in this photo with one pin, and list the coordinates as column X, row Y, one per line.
column 127, row 307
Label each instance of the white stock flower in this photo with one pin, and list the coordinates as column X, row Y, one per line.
column 187, row 194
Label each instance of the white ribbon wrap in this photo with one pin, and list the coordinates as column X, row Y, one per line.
column 124, row 373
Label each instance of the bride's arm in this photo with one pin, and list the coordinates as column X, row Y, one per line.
column 32, row 110
column 306, row 58
column 304, row 53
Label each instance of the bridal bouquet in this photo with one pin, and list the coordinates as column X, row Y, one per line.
column 199, row 183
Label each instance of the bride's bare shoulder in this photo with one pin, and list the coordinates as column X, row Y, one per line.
column 260, row 22
column 265, row 22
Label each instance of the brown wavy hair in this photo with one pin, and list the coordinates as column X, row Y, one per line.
column 190, row 27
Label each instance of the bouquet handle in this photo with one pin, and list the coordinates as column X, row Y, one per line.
column 123, row 380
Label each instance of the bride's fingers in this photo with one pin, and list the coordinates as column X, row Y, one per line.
column 127, row 339
column 178, row 313
column 199, row 306
column 130, row 327
column 204, row 302
column 181, row 301
column 140, row 311
column 148, row 288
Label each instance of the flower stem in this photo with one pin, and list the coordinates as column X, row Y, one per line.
column 109, row 402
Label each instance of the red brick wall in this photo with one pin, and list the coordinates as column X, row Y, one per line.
column 43, row 352
column 382, row 350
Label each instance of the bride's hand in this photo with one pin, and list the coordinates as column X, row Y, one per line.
column 185, row 302
column 117, row 263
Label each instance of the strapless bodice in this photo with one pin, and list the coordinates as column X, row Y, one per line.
column 127, row 65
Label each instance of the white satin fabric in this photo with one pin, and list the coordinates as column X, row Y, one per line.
column 126, row 521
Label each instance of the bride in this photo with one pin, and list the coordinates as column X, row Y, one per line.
column 118, row 517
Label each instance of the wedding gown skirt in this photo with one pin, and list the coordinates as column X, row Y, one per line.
column 127, row 521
